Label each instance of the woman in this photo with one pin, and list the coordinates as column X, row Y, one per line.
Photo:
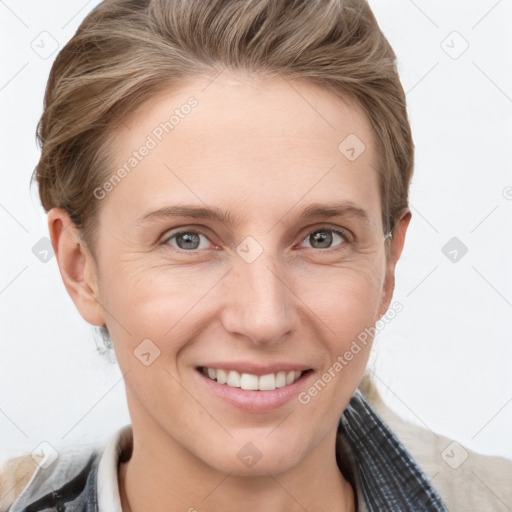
column 227, row 193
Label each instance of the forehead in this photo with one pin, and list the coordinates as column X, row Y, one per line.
column 247, row 142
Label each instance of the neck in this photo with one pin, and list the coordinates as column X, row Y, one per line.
column 172, row 484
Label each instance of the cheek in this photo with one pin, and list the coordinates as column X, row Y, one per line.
column 346, row 307
column 347, row 304
column 158, row 303
column 345, row 298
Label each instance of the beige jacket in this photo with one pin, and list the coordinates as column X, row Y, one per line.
column 465, row 480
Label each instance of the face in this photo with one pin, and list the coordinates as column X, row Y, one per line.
column 284, row 277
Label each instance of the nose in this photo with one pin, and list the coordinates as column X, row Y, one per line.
column 261, row 305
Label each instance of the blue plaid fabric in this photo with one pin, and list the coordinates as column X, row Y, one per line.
column 369, row 455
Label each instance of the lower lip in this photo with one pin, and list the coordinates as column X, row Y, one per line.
column 255, row 401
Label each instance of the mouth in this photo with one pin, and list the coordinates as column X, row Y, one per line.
column 251, row 381
column 256, row 393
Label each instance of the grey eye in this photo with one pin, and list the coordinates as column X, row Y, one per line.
column 323, row 238
column 186, row 240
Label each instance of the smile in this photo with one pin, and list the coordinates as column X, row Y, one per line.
column 249, row 381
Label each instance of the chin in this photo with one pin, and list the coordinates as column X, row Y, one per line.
column 247, row 459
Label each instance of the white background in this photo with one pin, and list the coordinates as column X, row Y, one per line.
column 444, row 362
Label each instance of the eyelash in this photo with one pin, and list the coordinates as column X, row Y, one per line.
column 343, row 233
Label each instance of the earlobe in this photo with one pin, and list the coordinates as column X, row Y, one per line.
column 76, row 265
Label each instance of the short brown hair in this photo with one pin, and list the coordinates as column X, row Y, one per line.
column 126, row 51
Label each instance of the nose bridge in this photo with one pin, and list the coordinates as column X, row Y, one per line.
column 260, row 305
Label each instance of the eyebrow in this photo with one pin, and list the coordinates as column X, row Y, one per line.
column 315, row 210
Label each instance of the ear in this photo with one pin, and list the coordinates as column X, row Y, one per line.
column 76, row 265
column 395, row 250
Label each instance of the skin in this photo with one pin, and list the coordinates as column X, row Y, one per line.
column 262, row 150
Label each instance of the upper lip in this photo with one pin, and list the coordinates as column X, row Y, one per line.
column 254, row 368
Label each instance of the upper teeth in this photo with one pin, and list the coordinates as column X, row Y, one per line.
column 250, row 381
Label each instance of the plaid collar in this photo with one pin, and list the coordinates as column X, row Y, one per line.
column 377, row 464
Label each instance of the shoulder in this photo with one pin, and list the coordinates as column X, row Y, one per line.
column 464, row 479
column 15, row 474
column 31, row 478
